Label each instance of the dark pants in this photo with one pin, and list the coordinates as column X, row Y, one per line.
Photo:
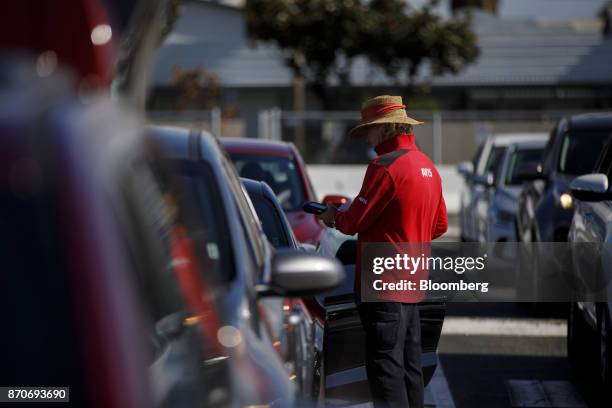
column 393, row 353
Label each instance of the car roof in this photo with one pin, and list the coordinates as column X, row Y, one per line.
column 506, row 139
column 260, row 188
column 177, row 143
column 591, row 120
column 173, row 140
column 260, row 147
column 253, row 186
column 531, row 143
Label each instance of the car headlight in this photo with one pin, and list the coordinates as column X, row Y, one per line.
column 566, row 201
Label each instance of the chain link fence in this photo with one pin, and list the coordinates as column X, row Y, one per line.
column 448, row 137
column 211, row 120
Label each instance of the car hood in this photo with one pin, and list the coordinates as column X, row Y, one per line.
column 305, row 226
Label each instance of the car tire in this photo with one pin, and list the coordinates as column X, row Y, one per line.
column 578, row 333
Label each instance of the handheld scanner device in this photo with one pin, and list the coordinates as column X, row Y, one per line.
column 313, row 207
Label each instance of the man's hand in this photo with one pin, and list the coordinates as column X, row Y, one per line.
column 328, row 216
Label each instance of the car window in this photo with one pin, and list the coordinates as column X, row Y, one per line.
column 476, row 157
column 547, row 155
column 147, row 236
column 494, row 160
column 270, row 221
column 580, row 149
column 171, row 273
column 604, row 161
column 280, row 173
column 302, row 165
column 518, row 159
column 209, row 226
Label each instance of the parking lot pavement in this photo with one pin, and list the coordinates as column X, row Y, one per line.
column 497, row 355
column 437, row 394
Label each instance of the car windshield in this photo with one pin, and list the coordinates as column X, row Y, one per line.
column 518, row 159
column 580, row 150
column 280, row 173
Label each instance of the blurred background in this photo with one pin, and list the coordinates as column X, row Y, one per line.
column 298, row 71
column 140, row 275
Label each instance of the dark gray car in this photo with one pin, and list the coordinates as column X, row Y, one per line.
column 251, row 277
column 589, row 323
column 545, row 206
column 302, row 348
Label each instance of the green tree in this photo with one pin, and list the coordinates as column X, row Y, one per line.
column 320, row 38
column 400, row 39
column 197, row 88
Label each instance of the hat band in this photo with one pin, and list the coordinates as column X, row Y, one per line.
column 376, row 111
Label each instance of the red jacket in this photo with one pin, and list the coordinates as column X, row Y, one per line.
column 400, row 200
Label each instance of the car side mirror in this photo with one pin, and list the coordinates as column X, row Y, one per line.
column 529, row 172
column 299, row 273
column 335, row 199
column 465, row 168
column 591, row 187
column 487, row 180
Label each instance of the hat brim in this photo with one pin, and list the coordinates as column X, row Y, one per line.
column 399, row 117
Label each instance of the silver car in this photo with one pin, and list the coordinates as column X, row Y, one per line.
column 496, row 208
column 479, row 176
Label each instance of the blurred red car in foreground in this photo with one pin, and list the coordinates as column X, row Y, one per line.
column 281, row 166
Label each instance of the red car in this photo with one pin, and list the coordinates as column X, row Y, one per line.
column 280, row 165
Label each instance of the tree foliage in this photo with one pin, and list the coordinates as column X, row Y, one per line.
column 321, row 37
column 316, row 34
column 197, row 88
column 488, row 5
column 401, row 40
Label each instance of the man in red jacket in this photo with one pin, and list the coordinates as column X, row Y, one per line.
column 400, row 202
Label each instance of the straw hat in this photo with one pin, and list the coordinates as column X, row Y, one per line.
column 382, row 109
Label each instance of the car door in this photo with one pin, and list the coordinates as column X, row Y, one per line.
column 183, row 347
column 592, row 223
column 344, row 347
column 264, row 325
column 299, row 350
column 482, row 193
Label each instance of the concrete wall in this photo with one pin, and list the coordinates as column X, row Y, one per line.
column 346, row 180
